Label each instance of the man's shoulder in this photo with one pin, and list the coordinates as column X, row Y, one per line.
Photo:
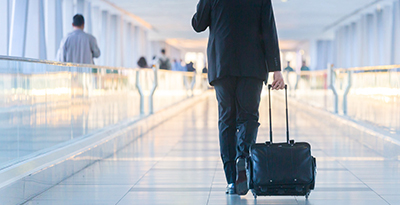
column 81, row 34
column 89, row 35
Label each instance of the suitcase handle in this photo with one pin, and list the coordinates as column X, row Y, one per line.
column 270, row 115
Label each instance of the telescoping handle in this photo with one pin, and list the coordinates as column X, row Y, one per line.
column 270, row 115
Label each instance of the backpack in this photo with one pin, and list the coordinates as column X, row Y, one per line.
column 164, row 64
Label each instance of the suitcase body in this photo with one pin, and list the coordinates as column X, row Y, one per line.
column 281, row 168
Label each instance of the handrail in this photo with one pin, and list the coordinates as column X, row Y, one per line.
column 368, row 68
column 319, row 72
column 56, row 63
column 333, row 79
column 345, row 70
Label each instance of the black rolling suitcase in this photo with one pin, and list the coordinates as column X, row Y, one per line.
column 281, row 168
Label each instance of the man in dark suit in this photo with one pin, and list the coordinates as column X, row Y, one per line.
column 242, row 49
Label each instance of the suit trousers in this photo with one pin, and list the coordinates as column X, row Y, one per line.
column 238, row 103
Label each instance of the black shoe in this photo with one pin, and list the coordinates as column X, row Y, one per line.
column 241, row 183
column 230, row 189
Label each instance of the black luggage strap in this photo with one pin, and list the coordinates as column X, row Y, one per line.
column 270, row 115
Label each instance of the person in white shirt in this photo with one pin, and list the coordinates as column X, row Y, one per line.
column 78, row 46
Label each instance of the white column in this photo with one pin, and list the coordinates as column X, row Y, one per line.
column 370, row 40
column 4, row 27
column 346, row 46
column 96, row 29
column 364, row 41
column 136, row 44
column 338, row 48
column 112, row 41
column 359, row 49
column 343, row 47
column 96, row 21
column 18, row 28
column 80, row 7
column 42, row 33
column 53, row 22
column 148, row 45
column 379, row 38
column 102, row 39
column 143, row 43
column 387, row 35
column 88, row 18
column 68, row 14
column 10, row 9
column 354, row 45
column 132, row 46
column 35, row 39
column 128, row 61
column 118, row 41
column 313, row 54
column 396, row 33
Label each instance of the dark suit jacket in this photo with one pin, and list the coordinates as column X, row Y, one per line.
column 243, row 40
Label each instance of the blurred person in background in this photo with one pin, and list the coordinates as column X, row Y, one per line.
column 177, row 66
column 164, row 61
column 190, row 67
column 78, row 46
column 288, row 68
column 205, row 70
column 304, row 67
column 142, row 63
column 182, row 65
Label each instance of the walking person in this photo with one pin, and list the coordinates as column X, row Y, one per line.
column 78, row 46
column 164, row 61
column 242, row 49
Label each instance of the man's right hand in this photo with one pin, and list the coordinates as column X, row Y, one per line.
column 278, row 83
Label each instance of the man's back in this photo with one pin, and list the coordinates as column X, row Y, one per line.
column 242, row 37
column 78, row 47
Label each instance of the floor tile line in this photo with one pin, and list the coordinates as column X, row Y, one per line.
column 33, row 197
column 151, row 168
column 365, row 184
column 212, row 182
column 143, row 175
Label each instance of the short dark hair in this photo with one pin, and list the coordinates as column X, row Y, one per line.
column 163, row 51
column 78, row 20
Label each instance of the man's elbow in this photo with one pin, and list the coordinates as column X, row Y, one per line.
column 96, row 54
column 197, row 27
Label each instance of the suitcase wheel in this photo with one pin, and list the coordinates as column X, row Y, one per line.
column 307, row 195
column 254, row 194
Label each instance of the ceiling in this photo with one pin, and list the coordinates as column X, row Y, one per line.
column 296, row 20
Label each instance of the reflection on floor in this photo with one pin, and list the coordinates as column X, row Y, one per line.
column 178, row 163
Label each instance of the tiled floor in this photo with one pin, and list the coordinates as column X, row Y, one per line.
column 178, row 163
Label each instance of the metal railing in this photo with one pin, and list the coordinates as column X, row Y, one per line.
column 45, row 103
column 369, row 94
